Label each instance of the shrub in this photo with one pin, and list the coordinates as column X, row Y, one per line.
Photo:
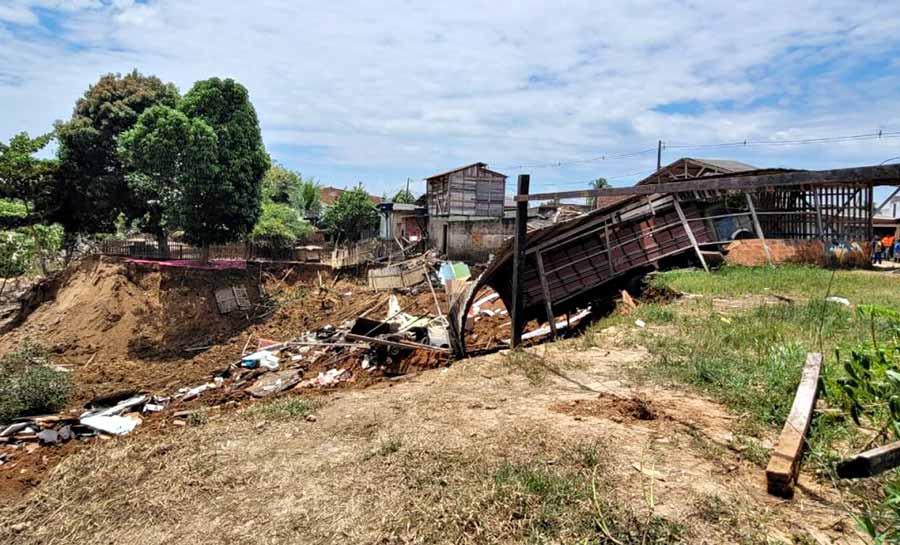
column 29, row 386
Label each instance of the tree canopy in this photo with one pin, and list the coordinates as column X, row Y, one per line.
column 404, row 196
column 25, row 177
column 92, row 179
column 351, row 216
column 280, row 224
column 220, row 198
column 283, row 186
column 599, row 183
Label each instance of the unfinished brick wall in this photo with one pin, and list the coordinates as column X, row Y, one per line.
column 750, row 253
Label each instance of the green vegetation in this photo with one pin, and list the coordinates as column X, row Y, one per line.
column 29, row 385
column 404, row 196
column 284, row 407
column 92, row 178
column 280, row 225
column 351, row 216
column 802, row 281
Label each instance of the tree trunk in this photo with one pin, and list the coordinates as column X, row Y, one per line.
column 42, row 259
column 3, row 288
column 204, row 253
column 162, row 242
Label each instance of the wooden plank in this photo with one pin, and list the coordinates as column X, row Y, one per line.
column 872, row 175
column 784, row 466
column 397, row 344
column 519, row 249
column 871, row 462
column 690, row 234
column 551, row 319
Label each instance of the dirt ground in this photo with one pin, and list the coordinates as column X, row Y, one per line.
column 425, row 459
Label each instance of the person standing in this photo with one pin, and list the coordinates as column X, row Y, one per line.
column 877, row 251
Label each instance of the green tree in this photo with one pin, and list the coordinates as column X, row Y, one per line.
column 92, row 178
column 280, row 224
column 162, row 151
column 310, row 202
column 219, row 200
column 599, row 183
column 25, row 177
column 404, row 196
column 351, row 216
column 16, row 253
column 283, row 186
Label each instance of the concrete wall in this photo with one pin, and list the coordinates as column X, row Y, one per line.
column 471, row 240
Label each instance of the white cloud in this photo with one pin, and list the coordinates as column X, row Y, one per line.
column 381, row 91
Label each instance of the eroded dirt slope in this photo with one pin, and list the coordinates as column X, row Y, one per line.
column 436, row 459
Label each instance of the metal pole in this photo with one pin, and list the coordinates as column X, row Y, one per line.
column 545, row 287
column 758, row 227
column 519, row 248
column 690, row 233
column 658, row 158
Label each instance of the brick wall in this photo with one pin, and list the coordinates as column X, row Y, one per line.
column 750, row 252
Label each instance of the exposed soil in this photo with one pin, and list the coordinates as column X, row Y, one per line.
column 611, row 406
column 417, row 461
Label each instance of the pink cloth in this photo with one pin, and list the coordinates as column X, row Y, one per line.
column 212, row 265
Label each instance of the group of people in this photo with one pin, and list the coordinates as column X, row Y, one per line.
column 887, row 247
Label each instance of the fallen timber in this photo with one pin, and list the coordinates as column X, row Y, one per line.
column 871, row 462
column 565, row 267
column 784, row 465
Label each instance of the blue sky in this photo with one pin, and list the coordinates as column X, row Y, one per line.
column 380, row 92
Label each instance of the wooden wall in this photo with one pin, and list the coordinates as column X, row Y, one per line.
column 473, row 191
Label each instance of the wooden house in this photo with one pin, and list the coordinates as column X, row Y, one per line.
column 471, row 191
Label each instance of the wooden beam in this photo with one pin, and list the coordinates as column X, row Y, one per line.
column 758, row 228
column 396, row 344
column 690, row 234
column 818, row 206
column 519, row 248
column 871, row 462
column 784, row 466
column 545, row 287
column 872, row 175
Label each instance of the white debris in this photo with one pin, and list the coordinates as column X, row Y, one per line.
column 332, row 376
column 839, row 300
column 640, row 323
column 153, row 407
column 113, row 424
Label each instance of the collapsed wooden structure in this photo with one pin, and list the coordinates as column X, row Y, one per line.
column 553, row 271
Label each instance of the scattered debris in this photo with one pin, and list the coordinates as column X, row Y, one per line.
column 839, row 300
column 640, row 323
column 231, row 299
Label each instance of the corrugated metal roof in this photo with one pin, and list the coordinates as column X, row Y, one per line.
column 727, row 164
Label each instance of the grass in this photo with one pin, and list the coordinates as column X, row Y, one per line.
column 861, row 287
column 284, row 407
column 751, row 359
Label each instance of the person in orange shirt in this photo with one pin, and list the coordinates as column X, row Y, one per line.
column 887, row 242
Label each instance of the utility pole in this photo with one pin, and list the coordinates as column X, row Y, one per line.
column 658, row 159
column 519, row 243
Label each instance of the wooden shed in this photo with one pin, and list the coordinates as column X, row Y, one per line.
column 472, row 190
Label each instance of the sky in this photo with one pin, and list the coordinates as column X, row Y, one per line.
column 379, row 92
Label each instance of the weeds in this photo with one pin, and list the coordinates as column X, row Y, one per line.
column 285, row 407
column 389, row 446
column 534, row 367
column 29, row 386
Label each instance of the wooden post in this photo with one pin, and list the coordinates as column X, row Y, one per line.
column 758, row 227
column 690, row 233
column 548, row 305
column 784, row 466
column 609, row 256
column 816, row 203
column 519, row 247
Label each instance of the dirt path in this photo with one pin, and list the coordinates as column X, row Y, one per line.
column 425, row 459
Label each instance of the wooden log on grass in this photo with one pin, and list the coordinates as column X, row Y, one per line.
column 784, row 466
column 871, row 462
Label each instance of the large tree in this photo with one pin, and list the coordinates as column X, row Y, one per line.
column 351, row 216
column 220, row 201
column 92, row 178
column 165, row 151
column 282, row 186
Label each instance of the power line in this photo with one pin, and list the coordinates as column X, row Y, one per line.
column 878, row 135
column 616, row 177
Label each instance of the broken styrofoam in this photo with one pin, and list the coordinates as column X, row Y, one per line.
column 262, row 358
column 332, row 376
column 839, row 300
column 640, row 323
